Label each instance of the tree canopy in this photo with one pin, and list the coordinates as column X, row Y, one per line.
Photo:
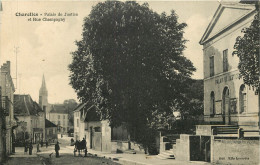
column 247, row 49
column 129, row 63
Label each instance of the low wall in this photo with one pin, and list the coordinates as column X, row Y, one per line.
column 183, row 148
column 203, row 130
column 227, row 151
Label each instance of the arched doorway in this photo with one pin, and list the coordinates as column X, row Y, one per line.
column 226, row 106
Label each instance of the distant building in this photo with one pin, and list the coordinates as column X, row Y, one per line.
column 98, row 134
column 51, row 131
column 31, row 119
column 8, row 122
column 56, row 113
column 59, row 115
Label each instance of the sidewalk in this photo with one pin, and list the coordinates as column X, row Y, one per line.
column 137, row 159
column 19, row 152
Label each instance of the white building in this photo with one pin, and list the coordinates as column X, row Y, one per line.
column 59, row 115
column 226, row 99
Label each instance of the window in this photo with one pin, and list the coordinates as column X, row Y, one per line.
column 97, row 129
column 211, row 65
column 58, row 122
column 242, row 98
column 212, row 104
column 58, row 116
column 225, row 60
column 63, row 122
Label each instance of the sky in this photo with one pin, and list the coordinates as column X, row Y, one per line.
column 44, row 47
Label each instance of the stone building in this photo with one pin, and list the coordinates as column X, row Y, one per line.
column 230, row 134
column 59, row 115
column 98, row 133
column 227, row 100
column 87, row 124
column 31, row 119
column 55, row 113
column 7, row 111
column 51, row 131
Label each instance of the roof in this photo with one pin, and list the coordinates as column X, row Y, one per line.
column 58, row 108
column 49, row 124
column 226, row 16
column 80, row 106
column 25, row 106
column 88, row 112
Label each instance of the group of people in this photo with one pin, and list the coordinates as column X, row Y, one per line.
column 28, row 146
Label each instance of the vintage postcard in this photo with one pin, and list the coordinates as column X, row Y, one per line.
column 129, row 82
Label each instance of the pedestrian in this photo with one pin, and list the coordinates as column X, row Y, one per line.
column 71, row 141
column 46, row 144
column 84, row 145
column 25, row 147
column 30, row 148
column 41, row 143
column 57, row 148
column 38, row 147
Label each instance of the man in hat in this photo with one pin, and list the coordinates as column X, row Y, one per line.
column 57, row 148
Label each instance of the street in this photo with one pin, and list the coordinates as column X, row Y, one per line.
column 43, row 157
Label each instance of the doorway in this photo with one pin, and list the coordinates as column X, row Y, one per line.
column 226, row 106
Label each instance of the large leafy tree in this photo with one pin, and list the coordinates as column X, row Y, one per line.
column 129, row 63
column 70, row 105
column 247, row 49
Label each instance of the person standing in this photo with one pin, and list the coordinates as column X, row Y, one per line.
column 57, row 148
column 38, row 147
column 84, row 143
column 30, row 148
column 41, row 143
column 25, row 147
column 46, row 144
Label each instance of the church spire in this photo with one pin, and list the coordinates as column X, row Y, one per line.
column 43, row 83
column 43, row 94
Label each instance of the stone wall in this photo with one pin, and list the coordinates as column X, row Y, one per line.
column 227, row 151
column 203, row 129
column 106, row 137
column 183, row 148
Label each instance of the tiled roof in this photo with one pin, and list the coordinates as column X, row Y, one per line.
column 49, row 124
column 58, row 108
column 25, row 106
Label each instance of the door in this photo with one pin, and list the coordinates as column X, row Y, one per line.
column 91, row 137
column 226, row 106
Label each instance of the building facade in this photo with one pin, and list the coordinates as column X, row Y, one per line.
column 7, row 92
column 59, row 116
column 227, row 100
column 51, row 131
column 31, row 119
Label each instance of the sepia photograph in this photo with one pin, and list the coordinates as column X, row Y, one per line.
column 129, row 82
